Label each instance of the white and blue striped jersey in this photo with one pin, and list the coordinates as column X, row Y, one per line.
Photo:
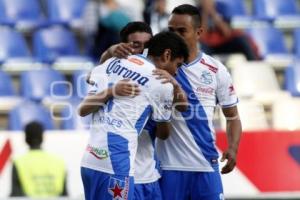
column 147, row 168
column 191, row 144
column 115, row 127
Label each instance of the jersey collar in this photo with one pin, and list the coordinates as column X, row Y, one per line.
column 198, row 58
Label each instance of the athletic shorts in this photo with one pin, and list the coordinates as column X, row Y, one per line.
column 147, row 191
column 184, row 185
column 103, row 186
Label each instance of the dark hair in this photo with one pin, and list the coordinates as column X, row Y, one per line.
column 133, row 27
column 187, row 9
column 167, row 40
column 34, row 134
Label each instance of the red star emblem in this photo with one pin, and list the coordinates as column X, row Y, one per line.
column 117, row 191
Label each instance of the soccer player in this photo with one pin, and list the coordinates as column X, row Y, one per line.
column 133, row 38
column 189, row 157
column 108, row 162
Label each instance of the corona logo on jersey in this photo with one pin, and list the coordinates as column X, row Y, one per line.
column 115, row 68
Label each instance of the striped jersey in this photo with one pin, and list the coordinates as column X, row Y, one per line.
column 115, row 127
column 191, row 144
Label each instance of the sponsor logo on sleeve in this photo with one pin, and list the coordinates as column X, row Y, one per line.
column 231, row 90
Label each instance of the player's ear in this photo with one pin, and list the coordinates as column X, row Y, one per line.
column 199, row 31
column 167, row 55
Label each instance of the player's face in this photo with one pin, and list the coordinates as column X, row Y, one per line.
column 183, row 26
column 174, row 65
column 165, row 62
column 138, row 40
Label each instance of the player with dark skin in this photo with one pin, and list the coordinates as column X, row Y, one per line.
column 186, row 27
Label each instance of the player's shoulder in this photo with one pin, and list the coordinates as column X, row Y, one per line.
column 139, row 60
column 212, row 63
column 102, row 67
column 158, row 87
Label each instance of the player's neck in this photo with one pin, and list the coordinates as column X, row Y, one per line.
column 193, row 55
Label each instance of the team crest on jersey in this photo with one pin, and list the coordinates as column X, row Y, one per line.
column 206, row 78
column 118, row 188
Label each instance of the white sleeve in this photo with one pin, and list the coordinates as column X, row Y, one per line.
column 161, row 102
column 226, row 95
column 99, row 79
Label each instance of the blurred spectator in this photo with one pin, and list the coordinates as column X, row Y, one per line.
column 111, row 20
column 38, row 173
column 156, row 15
column 220, row 38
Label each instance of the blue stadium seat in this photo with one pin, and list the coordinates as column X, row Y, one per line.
column 27, row 112
column 80, row 85
column 25, row 14
column 6, row 85
column 270, row 9
column 292, row 79
column 66, row 11
column 269, row 40
column 3, row 18
column 13, row 45
column 231, row 8
column 70, row 118
column 52, row 42
column 38, row 84
column 297, row 42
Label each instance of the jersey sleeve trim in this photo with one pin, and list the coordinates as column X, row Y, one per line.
column 157, row 120
column 230, row 105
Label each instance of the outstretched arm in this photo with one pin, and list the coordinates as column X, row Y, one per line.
column 121, row 50
column 93, row 102
column 234, row 130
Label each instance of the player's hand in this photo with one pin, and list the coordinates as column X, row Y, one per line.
column 88, row 79
column 121, row 50
column 165, row 77
column 125, row 88
column 230, row 156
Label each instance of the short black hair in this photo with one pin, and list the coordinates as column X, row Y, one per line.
column 167, row 40
column 34, row 133
column 187, row 9
column 133, row 27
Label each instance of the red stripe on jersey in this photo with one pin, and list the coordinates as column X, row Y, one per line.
column 210, row 67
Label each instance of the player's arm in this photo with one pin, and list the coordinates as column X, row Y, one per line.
column 121, row 50
column 93, row 102
column 228, row 100
column 180, row 101
column 233, row 130
column 162, row 109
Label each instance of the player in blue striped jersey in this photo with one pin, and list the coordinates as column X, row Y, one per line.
column 189, row 157
column 108, row 162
